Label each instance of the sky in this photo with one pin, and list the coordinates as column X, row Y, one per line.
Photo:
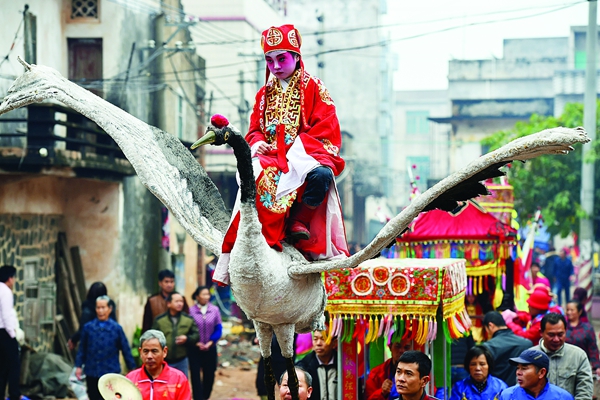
column 423, row 61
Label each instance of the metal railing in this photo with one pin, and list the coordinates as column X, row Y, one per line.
column 51, row 135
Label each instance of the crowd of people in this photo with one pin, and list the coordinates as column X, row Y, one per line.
column 177, row 346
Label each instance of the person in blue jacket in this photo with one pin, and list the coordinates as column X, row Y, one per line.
column 479, row 385
column 532, row 382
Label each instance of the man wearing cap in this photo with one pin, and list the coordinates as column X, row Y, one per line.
column 503, row 344
column 569, row 365
column 532, row 369
column 295, row 142
column 539, row 303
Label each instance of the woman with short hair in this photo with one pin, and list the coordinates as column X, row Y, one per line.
column 203, row 356
column 479, row 385
column 581, row 334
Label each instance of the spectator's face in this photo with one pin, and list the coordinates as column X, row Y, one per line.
column 572, row 312
column 304, row 391
column 554, row 336
column 398, row 349
column 152, row 354
column 528, row 377
column 408, row 379
column 103, row 309
column 282, row 64
column 203, row 297
column 176, row 303
column 479, row 368
column 535, row 270
column 10, row 282
column 322, row 349
column 167, row 285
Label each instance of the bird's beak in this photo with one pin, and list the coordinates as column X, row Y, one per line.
column 208, row 138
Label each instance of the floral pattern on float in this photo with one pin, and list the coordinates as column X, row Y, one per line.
column 416, row 284
column 267, row 190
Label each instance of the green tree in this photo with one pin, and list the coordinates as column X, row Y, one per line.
column 551, row 182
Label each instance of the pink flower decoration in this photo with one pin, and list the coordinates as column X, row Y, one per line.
column 417, row 177
column 414, row 166
column 219, row 121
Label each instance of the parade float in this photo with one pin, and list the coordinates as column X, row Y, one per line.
column 471, row 233
column 387, row 300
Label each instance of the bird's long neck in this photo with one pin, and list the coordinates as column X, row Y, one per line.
column 241, row 150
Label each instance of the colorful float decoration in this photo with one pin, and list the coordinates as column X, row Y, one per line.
column 470, row 233
column 387, row 300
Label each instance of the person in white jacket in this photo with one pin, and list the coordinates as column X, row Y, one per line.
column 9, row 347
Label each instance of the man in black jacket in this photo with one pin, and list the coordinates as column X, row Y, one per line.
column 503, row 345
column 321, row 364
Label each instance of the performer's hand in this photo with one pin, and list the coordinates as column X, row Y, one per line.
column 78, row 374
column 180, row 339
column 263, row 147
column 386, row 388
column 508, row 315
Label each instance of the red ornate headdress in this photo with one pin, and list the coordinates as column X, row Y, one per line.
column 281, row 38
column 284, row 37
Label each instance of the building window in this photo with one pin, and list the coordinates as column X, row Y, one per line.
column 84, row 9
column 417, row 122
column 580, row 59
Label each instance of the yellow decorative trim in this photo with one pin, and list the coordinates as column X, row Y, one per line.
column 454, row 306
column 483, row 270
column 382, row 310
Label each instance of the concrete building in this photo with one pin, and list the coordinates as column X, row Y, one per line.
column 422, row 146
column 492, row 95
column 61, row 173
column 569, row 84
column 535, row 76
column 227, row 35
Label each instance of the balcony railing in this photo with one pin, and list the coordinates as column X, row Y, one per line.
column 50, row 135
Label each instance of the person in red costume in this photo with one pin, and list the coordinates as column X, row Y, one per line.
column 529, row 325
column 295, row 141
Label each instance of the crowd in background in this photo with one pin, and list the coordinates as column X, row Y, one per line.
column 178, row 345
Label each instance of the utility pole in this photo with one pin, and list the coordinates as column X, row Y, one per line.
column 243, row 107
column 586, row 225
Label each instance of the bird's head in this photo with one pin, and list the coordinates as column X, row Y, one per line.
column 218, row 133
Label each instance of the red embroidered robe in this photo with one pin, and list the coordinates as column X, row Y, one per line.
column 280, row 119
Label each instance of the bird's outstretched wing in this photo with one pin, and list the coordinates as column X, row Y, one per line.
column 161, row 161
column 459, row 186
